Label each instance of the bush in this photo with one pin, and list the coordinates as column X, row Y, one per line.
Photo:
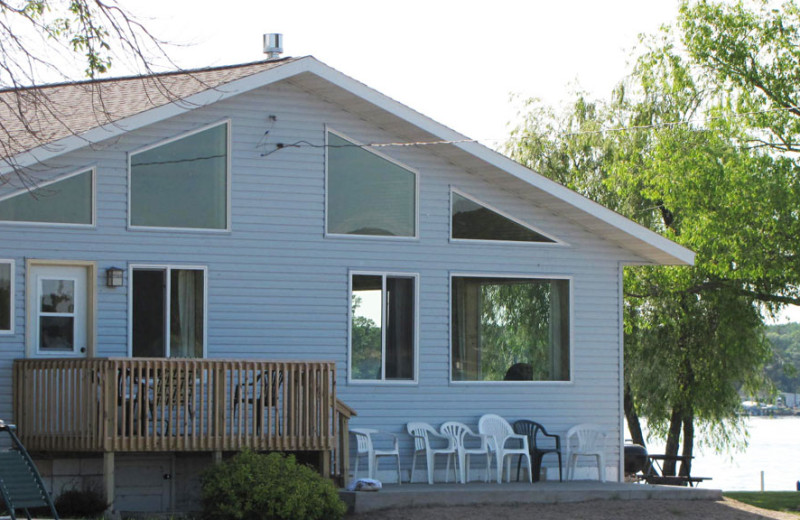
column 80, row 503
column 252, row 486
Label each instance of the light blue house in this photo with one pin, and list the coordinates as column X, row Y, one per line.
column 237, row 219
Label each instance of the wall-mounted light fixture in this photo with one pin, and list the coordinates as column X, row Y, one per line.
column 114, row 277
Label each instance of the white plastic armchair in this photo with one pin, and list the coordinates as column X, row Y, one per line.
column 586, row 440
column 366, row 447
column 500, row 433
column 423, row 434
column 460, row 432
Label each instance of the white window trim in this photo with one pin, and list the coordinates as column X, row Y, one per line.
column 383, row 380
column 92, row 170
column 39, row 314
column 228, row 187
column 168, row 268
column 571, row 281
column 348, row 236
column 12, row 299
column 476, row 200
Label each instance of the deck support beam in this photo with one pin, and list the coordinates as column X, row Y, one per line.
column 108, row 478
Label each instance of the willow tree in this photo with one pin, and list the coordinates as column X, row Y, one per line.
column 698, row 145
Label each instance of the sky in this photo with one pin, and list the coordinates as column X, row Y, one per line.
column 458, row 62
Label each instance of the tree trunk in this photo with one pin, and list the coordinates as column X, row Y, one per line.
column 673, row 440
column 632, row 417
column 688, row 443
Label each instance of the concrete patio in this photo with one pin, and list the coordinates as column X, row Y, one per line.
column 403, row 496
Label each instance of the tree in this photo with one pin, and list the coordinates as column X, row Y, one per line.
column 50, row 40
column 691, row 166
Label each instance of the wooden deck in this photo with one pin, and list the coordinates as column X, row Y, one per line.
column 166, row 405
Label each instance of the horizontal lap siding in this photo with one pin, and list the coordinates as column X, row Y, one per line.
column 278, row 289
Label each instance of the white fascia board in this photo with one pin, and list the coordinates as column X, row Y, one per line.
column 682, row 255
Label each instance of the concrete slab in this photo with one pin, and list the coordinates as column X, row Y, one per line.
column 404, row 496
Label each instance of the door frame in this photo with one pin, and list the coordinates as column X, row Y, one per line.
column 31, row 291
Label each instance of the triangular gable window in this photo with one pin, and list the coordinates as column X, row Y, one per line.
column 474, row 221
column 63, row 201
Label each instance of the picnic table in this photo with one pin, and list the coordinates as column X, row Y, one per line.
column 654, row 472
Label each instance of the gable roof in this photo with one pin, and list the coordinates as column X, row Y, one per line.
column 70, row 120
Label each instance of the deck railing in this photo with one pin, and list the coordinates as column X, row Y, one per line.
column 125, row 404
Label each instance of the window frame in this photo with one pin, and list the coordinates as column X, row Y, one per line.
column 228, row 176
column 92, row 170
column 348, row 236
column 383, row 381
column 476, row 200
column 569, row 278
column 11, row 297
column 168, row 268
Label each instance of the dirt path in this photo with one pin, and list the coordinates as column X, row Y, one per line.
column 725, row 509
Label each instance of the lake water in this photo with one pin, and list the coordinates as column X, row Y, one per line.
column 774, row 448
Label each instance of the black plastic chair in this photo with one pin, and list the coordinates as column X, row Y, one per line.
column 532, row 430
column 21, row 486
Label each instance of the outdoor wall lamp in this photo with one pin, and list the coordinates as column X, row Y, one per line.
column 114, row 277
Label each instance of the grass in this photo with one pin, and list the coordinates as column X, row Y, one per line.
column 788, row 501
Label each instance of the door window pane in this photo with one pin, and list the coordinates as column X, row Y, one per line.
column 168, row 313
column 58, row 296
column 67, row 201
column 6, row 303
column 183, row 183
column 186, row 313
column 382, row 329
column 473, row 221
column 56, row 333
column 368, row 194
column 366, row 328
column 507, row 329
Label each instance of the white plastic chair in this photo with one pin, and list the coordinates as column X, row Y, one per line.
column 367, row 447
column 459, row 433
column 500, row 432
column 423, row 433
column 586, row 440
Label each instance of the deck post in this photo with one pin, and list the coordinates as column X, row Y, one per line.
column 216, row 457
column 325, row 463
column 108, row 478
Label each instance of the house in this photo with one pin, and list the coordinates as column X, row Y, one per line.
column 245, row 255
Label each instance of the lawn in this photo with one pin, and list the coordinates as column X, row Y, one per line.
column 788, row 501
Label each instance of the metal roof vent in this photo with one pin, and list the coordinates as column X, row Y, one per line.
column 273, row 45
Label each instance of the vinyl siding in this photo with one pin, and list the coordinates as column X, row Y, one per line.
column 277, row 287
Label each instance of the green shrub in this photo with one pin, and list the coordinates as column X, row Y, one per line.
column 252, row 486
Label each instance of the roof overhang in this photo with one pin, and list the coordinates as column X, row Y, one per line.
column 315, row 77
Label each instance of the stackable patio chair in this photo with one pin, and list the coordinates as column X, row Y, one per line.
column 500, row 433
column 586, row 440
column 460, row 432
column 424, row 436
column 532, row 430
column 21, row 484
column 366, row 447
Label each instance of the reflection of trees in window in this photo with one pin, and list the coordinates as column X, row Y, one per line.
column 513, row 329
column 366, row 344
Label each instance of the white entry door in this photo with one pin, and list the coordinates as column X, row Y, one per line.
column 58, row 307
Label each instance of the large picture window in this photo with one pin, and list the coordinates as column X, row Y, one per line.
column 68, row 200
column 182, row 183
column 6, row 296
column 168, row 312
column 510, row 329
column 368, row 194
column 382, row 327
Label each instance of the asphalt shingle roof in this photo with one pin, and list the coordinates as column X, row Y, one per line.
column 32, row 117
